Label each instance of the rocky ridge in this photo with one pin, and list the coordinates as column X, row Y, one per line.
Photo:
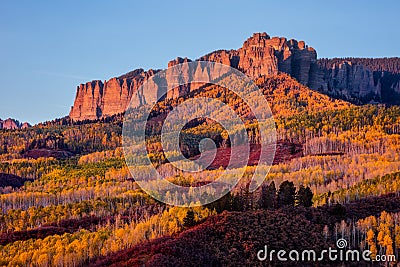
column 12, row 124
column 259, row 55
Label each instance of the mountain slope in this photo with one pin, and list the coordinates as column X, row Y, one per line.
column 234, row 238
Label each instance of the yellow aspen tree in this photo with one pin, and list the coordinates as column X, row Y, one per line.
column 388, row 244
column 370, row 238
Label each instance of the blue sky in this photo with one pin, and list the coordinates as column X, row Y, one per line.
column 47, row 48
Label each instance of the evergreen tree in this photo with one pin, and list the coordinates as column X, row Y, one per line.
column 304, row 196
column 338, row 210
column 286, row 194
column 237, row 203
column 224, row 203
column 268, row 196
column 189, row 220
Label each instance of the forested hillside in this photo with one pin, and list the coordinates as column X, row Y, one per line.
column 68, row 198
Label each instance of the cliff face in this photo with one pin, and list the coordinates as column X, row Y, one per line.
column 263, row 55
column 360, row 80
column 12, row 124
column 259, row 55
column 348, row 81
column 99, row 99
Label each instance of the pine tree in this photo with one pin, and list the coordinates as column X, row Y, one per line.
column 189, row 220
column 224, row 203
column 304, row 197
column 286, row 194
column 268, row 196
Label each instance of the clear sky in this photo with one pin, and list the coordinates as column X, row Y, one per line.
column 47, row 48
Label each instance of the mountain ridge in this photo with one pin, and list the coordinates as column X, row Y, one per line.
column 12, row 124
column 260, row 55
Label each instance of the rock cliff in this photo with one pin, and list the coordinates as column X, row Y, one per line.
column 12, row 124
column 360, row 80
column 97, row 99
column 263, row 55
column 259, row 55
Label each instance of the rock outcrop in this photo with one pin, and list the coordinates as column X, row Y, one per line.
column 259, row 55
column 263, row 55
column 97, row 99
column 348, row 81
column 360, row 80
column 12, row 124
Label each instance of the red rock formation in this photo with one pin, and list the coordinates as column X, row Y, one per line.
column 259, row 55
column 97, row 99
column 25, row 125
column 229, row 58
column 12, row 124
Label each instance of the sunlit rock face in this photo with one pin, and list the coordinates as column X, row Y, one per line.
column 259, row 55
column 12, row 124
